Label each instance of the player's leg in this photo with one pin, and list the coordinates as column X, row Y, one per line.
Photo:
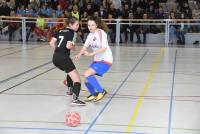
column 76, row 87
column 93, row 93
column 69, row 83
column 70, row 69
column 96, row 68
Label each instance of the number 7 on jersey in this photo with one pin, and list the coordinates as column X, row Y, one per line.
column 61, row 39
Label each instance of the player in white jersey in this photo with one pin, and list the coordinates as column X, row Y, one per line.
column 103, row 59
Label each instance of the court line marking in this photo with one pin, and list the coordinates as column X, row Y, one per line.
column 2, row 49
column 65, row 129
column 20, row 51
column 98, row 114
column 134, row 97
column 172, row 95
column 17, row 75
column 114, row 125
column 26, row 80
column 149, row 81
column 118, row 95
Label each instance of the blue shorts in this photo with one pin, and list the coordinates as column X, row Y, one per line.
column 100, row 67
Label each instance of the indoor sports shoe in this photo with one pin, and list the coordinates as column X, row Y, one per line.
column 100, row 96
column 90, row 98
column 78, row 102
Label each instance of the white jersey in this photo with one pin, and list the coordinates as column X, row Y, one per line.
column 96, row 41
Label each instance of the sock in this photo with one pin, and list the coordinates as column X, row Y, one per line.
column 76, row 90
column 90, row 89
column 69, row 81
column 93, row 81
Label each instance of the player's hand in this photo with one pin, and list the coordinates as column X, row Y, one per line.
column 70, row 45
column 85, row 53
column 77, row 57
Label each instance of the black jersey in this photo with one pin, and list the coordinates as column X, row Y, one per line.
column 63, row 36
column 61, row 58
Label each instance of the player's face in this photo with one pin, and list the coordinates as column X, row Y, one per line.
column 75, row 26
column 92, row 26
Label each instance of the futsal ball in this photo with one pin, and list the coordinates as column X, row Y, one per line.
column 73, row 119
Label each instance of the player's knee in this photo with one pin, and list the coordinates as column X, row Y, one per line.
column 86, row 74
column 77, row 80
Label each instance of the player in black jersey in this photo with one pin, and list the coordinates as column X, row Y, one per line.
column 63, row 42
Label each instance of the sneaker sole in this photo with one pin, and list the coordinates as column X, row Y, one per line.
column 89, row 100
column 75, row 104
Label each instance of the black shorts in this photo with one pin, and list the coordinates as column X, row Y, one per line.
column 63, row 62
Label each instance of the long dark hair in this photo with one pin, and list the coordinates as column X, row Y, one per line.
column 99, row 22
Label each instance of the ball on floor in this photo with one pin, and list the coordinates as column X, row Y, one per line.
column 73, row 119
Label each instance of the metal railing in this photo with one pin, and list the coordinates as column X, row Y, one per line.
column 118, row 22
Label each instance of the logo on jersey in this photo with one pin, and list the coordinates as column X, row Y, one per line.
column 64, row 30
column 94, row 46
column 94, row 39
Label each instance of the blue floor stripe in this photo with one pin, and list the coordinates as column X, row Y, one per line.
column 25, row 72
column 133, row 69
column 63, row 129
column 171, row 97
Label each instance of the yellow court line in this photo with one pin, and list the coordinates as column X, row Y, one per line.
column 144, row 91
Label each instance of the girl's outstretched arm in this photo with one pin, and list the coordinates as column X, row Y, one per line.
column 100, row 50
column 82, row 52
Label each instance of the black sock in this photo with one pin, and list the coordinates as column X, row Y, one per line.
column 76, row 90
column 69, row 81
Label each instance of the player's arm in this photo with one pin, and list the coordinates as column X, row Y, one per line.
column 100, row 50
column 83, row 49
column 71, row 44
column 52, row 42
column 53, row 39
column 82, row 52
